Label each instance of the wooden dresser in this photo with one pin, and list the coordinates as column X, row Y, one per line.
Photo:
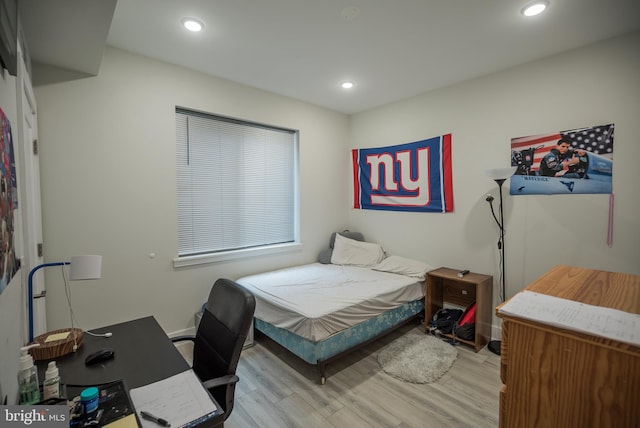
column 556, row 377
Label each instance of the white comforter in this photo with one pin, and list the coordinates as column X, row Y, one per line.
column 318, row 300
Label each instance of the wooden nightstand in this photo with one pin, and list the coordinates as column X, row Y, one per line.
column 444, row 285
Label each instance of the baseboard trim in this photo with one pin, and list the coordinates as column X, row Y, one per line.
column 186, row 332
column 496, row 332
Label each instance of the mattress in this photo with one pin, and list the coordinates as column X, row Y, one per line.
column 316, row 301
column 317, row 352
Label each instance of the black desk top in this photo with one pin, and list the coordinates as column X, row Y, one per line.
column 143, row 354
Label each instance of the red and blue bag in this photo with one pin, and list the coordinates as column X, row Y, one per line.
column 465, row 327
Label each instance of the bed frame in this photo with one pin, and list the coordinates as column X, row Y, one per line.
column 336, row 346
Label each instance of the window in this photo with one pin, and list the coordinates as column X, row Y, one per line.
column 237, row 184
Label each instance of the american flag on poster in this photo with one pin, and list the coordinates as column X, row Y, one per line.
column 407, row 177
column 593, row 146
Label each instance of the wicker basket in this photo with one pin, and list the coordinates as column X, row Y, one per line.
column 56, row 348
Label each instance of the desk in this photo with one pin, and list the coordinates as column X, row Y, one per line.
column 555, row 377
column 143, row 354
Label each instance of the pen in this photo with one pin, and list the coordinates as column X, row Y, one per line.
column 148, row 416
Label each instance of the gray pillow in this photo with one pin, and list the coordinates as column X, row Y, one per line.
column 325, row 255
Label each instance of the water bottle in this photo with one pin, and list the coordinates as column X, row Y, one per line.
column 28, row 378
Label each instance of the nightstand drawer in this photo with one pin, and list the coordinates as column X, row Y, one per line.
column 459, row 293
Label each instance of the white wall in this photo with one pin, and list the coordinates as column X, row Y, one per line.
column 12, row 316
column 107, row 159
column 595, row 85
column 108, row 185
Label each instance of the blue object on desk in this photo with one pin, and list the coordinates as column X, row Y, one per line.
column 89, row 400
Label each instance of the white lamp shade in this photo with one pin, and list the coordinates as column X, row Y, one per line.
column 85, row 267
column 500, row 173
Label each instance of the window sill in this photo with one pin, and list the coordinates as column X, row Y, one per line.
column 238, row 254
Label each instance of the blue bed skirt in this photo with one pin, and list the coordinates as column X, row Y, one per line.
column 317, row 352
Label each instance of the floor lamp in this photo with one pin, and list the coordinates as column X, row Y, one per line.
column 499, row 175
column 80, row 268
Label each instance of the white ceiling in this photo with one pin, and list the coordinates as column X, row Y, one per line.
column 304, row 48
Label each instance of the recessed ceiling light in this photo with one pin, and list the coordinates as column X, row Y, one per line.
column 347, row 85
column 535, row 8
column 192, row 24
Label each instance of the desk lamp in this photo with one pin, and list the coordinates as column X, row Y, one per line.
column 80, row 268
column 500, row 175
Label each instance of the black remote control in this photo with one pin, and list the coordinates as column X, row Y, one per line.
column 463, row 273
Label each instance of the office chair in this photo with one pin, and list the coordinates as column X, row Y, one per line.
column 219, row 340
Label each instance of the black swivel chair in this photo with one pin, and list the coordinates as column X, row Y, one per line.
column 220, row 338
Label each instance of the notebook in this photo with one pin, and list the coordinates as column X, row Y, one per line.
column 181, row 400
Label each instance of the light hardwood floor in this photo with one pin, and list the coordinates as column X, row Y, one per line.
column 278, row 390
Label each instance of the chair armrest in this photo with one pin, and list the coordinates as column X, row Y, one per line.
column 219, row 381
column 183, row 338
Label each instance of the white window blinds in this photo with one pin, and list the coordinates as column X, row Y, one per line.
column 236, row 184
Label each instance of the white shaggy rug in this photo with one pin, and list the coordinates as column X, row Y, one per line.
column 417, row 358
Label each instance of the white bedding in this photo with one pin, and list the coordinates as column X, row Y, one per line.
column 317, row 300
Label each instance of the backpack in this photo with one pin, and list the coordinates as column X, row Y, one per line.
column 444, row 320
column 465, row 327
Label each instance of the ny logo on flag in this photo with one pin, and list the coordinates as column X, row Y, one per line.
column 407, row 177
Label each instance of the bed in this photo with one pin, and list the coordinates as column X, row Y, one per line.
column 351, row 296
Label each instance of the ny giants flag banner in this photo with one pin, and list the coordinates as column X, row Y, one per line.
column 407, row 177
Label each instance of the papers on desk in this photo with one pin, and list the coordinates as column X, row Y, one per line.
column 128, row 421
column 57, row 336
column 595, row 320
column 179, row 399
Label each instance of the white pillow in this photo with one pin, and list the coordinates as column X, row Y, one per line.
column 351, row 252
column 403, row 266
